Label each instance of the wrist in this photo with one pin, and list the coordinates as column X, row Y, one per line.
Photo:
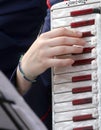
column 26, row 76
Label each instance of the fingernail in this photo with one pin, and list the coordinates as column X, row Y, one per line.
column 78, row 46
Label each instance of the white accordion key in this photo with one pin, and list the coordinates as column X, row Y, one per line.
column 75, row 77
column 94, row 52
column 59, row 70
column 78, row 115
column 74, row 22
column 94, row 76
column 76, row 89
column 67, row 97
column 77, row 104
column 94, row 41
column 83, row 63
column 68, row 106
column 94, row 64
column 85, row 125
column 63, row 12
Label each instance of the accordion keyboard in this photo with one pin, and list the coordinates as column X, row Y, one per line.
column 76, row 90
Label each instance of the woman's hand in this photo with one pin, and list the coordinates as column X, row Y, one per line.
column 41, row 55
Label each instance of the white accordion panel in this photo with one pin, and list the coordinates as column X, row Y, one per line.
column 76, row 90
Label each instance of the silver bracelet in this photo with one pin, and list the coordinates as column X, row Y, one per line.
column 22, row 72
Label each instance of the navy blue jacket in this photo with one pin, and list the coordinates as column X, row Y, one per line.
column 20, row 23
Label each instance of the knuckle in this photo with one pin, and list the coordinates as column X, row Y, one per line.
column 63, row 30
column 43, row 35
column 80, row 41
column 64, row 40
column 64, row 49
column 77, row 49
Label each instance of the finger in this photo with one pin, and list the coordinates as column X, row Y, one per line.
column 60, row 62
column 62, row 32
column 61, row 50
column 66, row 41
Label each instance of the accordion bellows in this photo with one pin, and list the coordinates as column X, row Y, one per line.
column 76, row 90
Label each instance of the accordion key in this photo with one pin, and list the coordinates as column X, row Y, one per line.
column 76, row 90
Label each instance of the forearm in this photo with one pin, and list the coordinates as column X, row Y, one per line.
column 24, row 79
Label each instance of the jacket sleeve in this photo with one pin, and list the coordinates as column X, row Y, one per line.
column 46, row 25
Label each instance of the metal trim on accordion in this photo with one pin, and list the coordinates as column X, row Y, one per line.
column 76, row 90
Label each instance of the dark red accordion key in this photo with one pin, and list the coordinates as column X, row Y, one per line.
column 82, row 62
column 85, row 12
column 81, row 78
column 82, row 101
column 83, row 117
column 82, row 23
column 87, row 34
column 82, row 90
column 87, row 49
column 81, row 12
column 84, row 128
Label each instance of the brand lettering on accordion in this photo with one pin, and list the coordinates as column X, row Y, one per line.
column 76, row 90
column 76, row 2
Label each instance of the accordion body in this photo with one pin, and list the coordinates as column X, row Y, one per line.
column 76, row 89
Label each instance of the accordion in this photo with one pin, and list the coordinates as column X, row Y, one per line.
column 76, row 90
